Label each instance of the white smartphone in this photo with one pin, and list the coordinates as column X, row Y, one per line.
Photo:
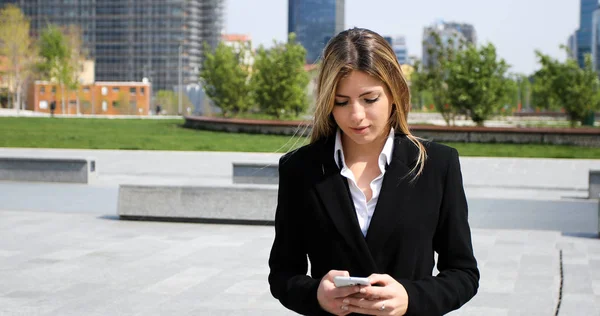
column 341, row 281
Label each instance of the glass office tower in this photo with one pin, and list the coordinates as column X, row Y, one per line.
column 314, row 22
column 584, row 33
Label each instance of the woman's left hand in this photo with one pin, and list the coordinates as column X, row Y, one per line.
column 385, row 296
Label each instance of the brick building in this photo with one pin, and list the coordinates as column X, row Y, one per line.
column 100, row 98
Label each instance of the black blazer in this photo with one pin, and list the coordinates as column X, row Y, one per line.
column 315, row 217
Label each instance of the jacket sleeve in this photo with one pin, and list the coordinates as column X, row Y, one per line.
column 458, row 279
column 288, row 263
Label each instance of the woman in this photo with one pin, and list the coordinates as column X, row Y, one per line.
column 366, row 198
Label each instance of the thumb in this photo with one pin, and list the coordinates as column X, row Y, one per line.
column 333, row 273
column 379, row 279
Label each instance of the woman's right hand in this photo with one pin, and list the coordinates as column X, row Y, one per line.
column 331, row 297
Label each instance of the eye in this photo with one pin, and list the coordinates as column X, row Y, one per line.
column 372, row 100
column 342, row 103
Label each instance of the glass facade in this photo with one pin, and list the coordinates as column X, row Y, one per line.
column 584, row 34
column 314, row 22
column 447, row 32
column 136, row 39
column 400, row 49
column 596, row 39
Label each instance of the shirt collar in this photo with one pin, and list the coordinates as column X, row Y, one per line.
column 385, row 157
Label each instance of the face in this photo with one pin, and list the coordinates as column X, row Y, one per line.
column 362, row 108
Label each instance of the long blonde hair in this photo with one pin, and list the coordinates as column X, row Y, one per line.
column 366, row 51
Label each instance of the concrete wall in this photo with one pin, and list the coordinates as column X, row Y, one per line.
column 555, row 136
column 47, row 169
column 594, row 186
column 234, row 203
column 255, row 173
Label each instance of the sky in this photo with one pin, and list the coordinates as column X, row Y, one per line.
column 516, row 27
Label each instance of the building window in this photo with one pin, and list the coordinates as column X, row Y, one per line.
column 115, row 89
column 132, row 91
column 104, row 106
column 142, row 90
column 104, row 90
column 43, row 105
column 86, row 89
column 42, row 89
column 53, row 90
column 115, row 104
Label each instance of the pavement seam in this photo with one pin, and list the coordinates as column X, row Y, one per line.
column 560, row 288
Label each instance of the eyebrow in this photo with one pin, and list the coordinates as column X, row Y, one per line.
column 345, row 96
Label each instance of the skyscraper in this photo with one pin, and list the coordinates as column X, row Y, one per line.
column 572, row 45
column 400, row 49
column 584, row 33
column 595, row 45
column 447, row 31
column 314, row 22
column 136, row 39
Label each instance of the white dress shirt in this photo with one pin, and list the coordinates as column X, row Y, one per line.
column 364, row 208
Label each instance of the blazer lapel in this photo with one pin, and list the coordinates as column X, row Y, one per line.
column 394, row 196
column 334, row 194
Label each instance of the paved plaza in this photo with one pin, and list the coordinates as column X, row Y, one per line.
column 87, row 264
column 63, row 250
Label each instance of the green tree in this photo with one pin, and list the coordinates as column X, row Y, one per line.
column 518, row 93
column 279, row 80
column 542, row 94
column 575, row 89
column 16, row 46
column 477, row 83
column 167, row 99
column 431, row 76
column 76, row 55
column 225, row 76
column 55, row 64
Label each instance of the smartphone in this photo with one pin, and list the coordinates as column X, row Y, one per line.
column 340, row 281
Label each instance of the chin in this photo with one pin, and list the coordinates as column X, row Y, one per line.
column 362, row 140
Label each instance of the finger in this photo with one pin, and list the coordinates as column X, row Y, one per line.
column 363, row 303
column 380, row 279
column 343, row 308
column 342, row 292
column 360, row 295
column 366, row 296
column 334, row 273
column 376, row 292
column 367, row 311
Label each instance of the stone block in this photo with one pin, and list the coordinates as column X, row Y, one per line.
column 255, row 173
column 234, row 203
column 594, row 184
column 64, row 170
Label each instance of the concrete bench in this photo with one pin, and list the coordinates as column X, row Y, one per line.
column 255, row 173
column 221, row 204
column 67, row 170
column 594, row 184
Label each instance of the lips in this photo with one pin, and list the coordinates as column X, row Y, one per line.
column 360, row 130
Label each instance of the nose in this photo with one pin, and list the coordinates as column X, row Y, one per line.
column 357, row 113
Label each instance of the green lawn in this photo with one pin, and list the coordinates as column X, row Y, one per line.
column 148, row 134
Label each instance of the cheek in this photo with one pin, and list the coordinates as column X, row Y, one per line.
column 337, row 114
column 382, row 112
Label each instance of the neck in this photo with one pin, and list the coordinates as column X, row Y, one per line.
column 354, row 152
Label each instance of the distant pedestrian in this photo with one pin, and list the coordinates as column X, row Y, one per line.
column 52, row 108
column 158, row 109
